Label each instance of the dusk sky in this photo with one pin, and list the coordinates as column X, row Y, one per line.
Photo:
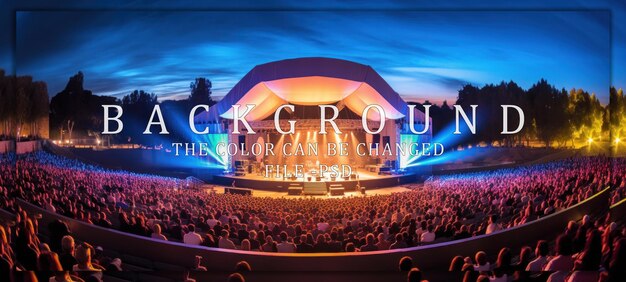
column 422, row 55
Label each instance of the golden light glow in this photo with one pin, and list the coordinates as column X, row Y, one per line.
column 312, row 90
column 267, row 96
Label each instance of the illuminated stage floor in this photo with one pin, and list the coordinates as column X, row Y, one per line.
column 361, row 174
column 273, row 194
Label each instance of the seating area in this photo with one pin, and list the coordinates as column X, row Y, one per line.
column 440, row 216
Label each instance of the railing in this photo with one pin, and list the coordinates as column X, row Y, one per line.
column 427, row 257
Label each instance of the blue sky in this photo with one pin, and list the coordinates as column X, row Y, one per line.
column 424, row 55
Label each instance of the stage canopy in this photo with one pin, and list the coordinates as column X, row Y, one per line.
column 308, row 81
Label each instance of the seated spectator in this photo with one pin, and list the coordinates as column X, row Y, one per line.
column 429, row 235
column 156, row 232
column 224, row 242
column 67, row 256
column 503, row 263
column 369, row 244
column 333, row 244
column 587, row 267
column 350, row 248
column 191, row 237
column 285, row 246
column 382, row 243
column 492, row 225
column 6, row 264
column 245, row 245
column 481, row 262
column 399, row 243
column 616, row 268
column 269, row 245
column 541, row 254
column 84, row 267
column 304, row 246
column 563, row 261
column 322, row 225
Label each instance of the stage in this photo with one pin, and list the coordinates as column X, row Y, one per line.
column 274, row 194
column 363, row 179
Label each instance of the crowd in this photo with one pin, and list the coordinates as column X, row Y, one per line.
column 444, row 208
column 619, row 179
column 586, row 251
column 25, row 257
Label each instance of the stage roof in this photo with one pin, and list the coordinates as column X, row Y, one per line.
column 308, row 81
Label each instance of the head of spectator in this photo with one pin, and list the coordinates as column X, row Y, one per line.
column 525, row 256
column 542, row 249
column 456, row 264
column 236, row 277
column 504, row 259
column 83, row 256
column 564, row 245
column 243, row 267
column 350, row 248
column 414, row 275
column 245, row 245
column 481, row 259
column 156, row 228
column 49, row 261
column 405, row 264
column 283, row 236
column 67, row 244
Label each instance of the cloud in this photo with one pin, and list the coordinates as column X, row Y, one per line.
column 162, row 52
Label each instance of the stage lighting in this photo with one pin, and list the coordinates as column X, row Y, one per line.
column 617, row 140
column 590, row 140
column 98, row 141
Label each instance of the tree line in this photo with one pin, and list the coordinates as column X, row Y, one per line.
column 556, row 117
column 77, row 113
column 23, row 107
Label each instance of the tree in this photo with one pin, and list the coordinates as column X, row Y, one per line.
column 200, row 92
column 23, row 103
column 137, row 108
column 7, row 107
column 39, row 106
column 77, row 110
column 550, row 111
column 617, row 113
